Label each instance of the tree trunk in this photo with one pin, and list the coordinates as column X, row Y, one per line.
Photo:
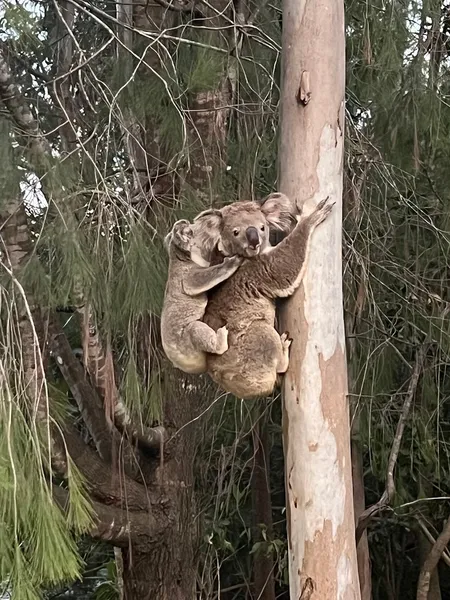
column 364, row 566
column 316, row 430
column 160, row 572
column 264, row 583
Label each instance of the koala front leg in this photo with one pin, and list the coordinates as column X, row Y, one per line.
column 199, row 280
column 283, row 268
column 205, row 339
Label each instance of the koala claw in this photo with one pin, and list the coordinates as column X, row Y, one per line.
column 222, row 340
column 322, row 211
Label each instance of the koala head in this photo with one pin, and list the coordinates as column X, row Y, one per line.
column 194, row 242
column 243, row 228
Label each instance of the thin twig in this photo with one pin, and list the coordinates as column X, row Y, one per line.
column 388, row 495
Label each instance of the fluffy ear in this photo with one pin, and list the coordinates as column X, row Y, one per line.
column 279, row 211
column 208, row 227
column 213, row 214
column 182, row 235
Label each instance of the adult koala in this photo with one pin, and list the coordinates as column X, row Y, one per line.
column 245, row 303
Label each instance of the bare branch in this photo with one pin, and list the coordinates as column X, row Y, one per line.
column 100, row 367
column 388, row 495
column 431, row 562
column 85, row 396
column 445, row 555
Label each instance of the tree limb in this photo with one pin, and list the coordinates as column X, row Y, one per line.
column 100, row 367
column 431, row 562
column 118, row 526
column 388, row 495
column 85, row 396
column 445, row 555
column 101, row 481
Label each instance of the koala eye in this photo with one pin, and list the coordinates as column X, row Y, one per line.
column 236, row 231
column 262, row 228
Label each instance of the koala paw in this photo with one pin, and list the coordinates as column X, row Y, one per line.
column 286, row 341
column 222, row 340
column 233, row 261
column 322, row 211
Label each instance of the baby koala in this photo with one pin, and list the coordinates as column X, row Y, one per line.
column 185, row 338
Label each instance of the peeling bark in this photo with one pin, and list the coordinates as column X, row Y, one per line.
column 316, row 429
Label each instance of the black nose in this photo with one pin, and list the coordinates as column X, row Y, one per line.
column 252, row 236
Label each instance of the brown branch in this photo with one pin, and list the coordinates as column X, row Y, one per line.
column 85, row 396
column 431, row 562
column 118, row 526
column 425, row 531
column 388, row 495
column 100, row 367
column 101, row 481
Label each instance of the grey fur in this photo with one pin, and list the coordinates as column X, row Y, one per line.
column 246, row 301
column 185, row 338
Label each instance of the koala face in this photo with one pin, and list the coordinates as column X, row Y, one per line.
column 243, row 228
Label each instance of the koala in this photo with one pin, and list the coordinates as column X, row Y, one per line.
column 257, row 354
column 243, row 228
column 185, row 338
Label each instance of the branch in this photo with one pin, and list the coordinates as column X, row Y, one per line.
column 100, row 367
column 112, row 489
column 85, row 396
column 445, row 555
column 431, row 562
column 117, row 526
column 388, row 495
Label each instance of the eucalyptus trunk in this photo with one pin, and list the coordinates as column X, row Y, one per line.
column 316, row 429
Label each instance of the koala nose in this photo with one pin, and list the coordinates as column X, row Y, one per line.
column 252, row 236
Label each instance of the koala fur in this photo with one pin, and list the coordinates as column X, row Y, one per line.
column 246, row 301
column 185, row 338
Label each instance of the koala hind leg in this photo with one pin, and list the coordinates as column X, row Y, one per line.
column 283, row 362
column 204, row 338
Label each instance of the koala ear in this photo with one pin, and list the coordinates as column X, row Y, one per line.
column 213, row 214
column 208, row 227
column 279, row 211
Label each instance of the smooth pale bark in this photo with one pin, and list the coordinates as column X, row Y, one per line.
column 321, row 530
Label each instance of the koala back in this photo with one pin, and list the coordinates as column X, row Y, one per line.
column 240, row 300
